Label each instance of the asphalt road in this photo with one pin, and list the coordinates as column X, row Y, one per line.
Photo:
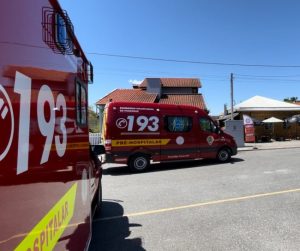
column 251, row 203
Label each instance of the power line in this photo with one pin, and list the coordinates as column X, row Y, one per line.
column 192, row 62
column 117, row 73
column 164, row 59
column 270, row 79
column 152, row 71
column 267, row 76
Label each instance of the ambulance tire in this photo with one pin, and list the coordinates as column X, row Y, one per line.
column 223, row 155
column 139, row 162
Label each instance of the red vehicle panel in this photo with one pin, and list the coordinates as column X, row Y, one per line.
column 48, row 174
column 135, row 133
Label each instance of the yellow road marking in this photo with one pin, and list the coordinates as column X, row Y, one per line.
column 173, row 209
column 163, row 210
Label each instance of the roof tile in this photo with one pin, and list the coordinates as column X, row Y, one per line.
column 129, row 95
column 175, row 82
column 188, row 99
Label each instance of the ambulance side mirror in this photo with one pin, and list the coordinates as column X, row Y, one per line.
column 219, row 130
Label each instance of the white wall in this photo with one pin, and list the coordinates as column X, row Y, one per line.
column 236, row 129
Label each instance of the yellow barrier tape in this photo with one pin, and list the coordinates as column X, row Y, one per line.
column 139, row 142
column 47, row 232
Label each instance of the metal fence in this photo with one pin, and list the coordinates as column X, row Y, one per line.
column 95, row 138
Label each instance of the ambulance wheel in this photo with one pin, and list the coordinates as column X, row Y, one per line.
column 223, row 155
column 139, row 162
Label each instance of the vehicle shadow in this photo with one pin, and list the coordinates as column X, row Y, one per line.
column 111, row 230
column 167, row 166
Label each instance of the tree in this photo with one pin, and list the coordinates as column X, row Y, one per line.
column 291, row 99
column 93, row 120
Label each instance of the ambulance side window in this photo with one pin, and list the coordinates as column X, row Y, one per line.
column 81, row 104
column 178, row 123
column 207, row 125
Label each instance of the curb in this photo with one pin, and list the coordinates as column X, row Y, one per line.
column 259, row 149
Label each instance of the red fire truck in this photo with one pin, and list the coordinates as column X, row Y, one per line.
column 49, row 176
column 135, row 133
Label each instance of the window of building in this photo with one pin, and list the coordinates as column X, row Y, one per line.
column 178, row 123
column 81, row 104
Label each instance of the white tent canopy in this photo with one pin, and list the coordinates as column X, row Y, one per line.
column 272, row 120
column 259, row 103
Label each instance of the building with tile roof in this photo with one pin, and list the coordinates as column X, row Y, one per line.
column 183, row 91
column 172, row 82
column 191, row 99
column 131, row 95
column 180, row 91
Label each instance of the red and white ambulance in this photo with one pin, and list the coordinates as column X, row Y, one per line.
column 48, row 174
column 136, row 133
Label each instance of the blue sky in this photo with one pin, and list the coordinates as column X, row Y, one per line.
column 250, row 32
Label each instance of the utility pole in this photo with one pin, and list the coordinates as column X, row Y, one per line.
column 231, row 94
